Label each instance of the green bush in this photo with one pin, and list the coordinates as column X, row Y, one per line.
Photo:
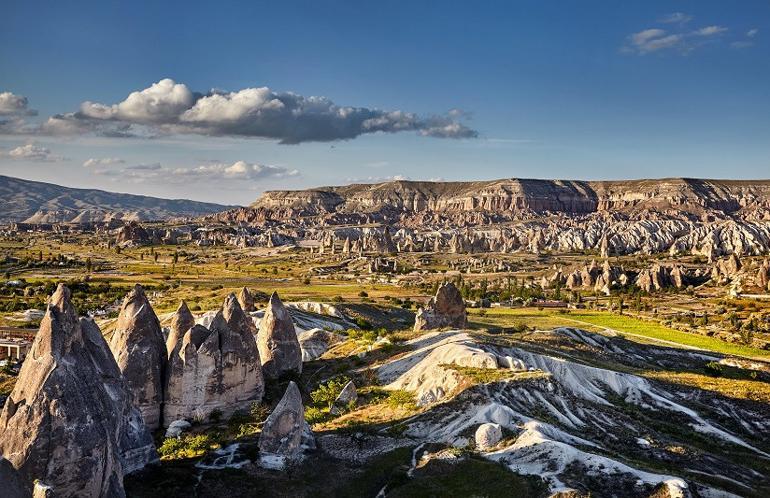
column 328, row 391
column 187, row 446
column 402, row 398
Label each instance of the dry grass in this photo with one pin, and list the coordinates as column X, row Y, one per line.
column 739, row 389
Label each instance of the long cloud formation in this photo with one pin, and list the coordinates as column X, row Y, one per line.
column 172, row 108
column 239, row 170
column 680, row 39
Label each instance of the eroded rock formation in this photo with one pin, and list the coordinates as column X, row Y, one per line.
column 445, row 309
column 70, row 421
column 140, row 351
column 182, row 321
column 279, row 347
column 285, row 428
column 246, row 300
column 215, row 368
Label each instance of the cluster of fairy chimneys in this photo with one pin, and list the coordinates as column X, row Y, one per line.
column 80, row 415
column 200, row 370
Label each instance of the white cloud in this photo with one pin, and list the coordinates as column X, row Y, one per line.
column 33, row 152
column 239, row 170
column 104, row 161
column 167, row 107
column 675, row 18
column 652, row 40
column 711, row 30
column 656, row 39
column 162, row 102
column 378, row 179
column 208, row 173
column 14, row 105
column 752, row 32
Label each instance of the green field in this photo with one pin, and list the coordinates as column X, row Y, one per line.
column 598, row 320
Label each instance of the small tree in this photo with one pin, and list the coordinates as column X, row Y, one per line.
column 328, row 392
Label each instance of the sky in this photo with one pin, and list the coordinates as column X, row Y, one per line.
column 220, row 102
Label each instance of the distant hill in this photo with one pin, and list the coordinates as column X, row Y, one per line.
column 38, row 202
column 514, row 198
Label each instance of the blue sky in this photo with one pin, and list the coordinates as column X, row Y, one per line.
column 467, row 90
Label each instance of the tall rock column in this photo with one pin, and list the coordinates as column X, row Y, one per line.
column 140, row 351
column 182, row 321
column 277, row 341
column 69, row 421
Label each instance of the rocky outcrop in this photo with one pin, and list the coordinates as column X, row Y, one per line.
column 132, row 234
column 445, row 309
column 285, row 428
column 182, row 321
column 277, row 341
column 70, row 421
column 726, row 269
column 214, row 368
column 661, row 277
column 315, row 342
column 140, row 351
column 488, row 435
column 763, row 275
column 246, row 300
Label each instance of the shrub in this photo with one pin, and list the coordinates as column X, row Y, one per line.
column 402, row 398
column 187, row 446
column 328, row 391
column 713, row 368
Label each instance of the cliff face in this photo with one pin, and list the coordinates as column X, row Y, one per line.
column 514, row 196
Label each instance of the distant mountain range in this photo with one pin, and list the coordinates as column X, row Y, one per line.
column 38, row 202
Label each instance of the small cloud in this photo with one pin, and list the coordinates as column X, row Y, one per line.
column 34, row 152
column 752, row 33
column 652, row 40
column 675, row 18
column 14, row 105
column 378, row 179
column 104, row 161
column 710, row 31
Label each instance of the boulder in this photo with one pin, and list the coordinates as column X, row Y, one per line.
column 96, row 435
column 177, row 427
column 488, row 435
column 182, row 321
column 138, row 346
column 285, row 428
column 347, row 396
column 314, row 343
column 277, row 341
column 445, row 309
